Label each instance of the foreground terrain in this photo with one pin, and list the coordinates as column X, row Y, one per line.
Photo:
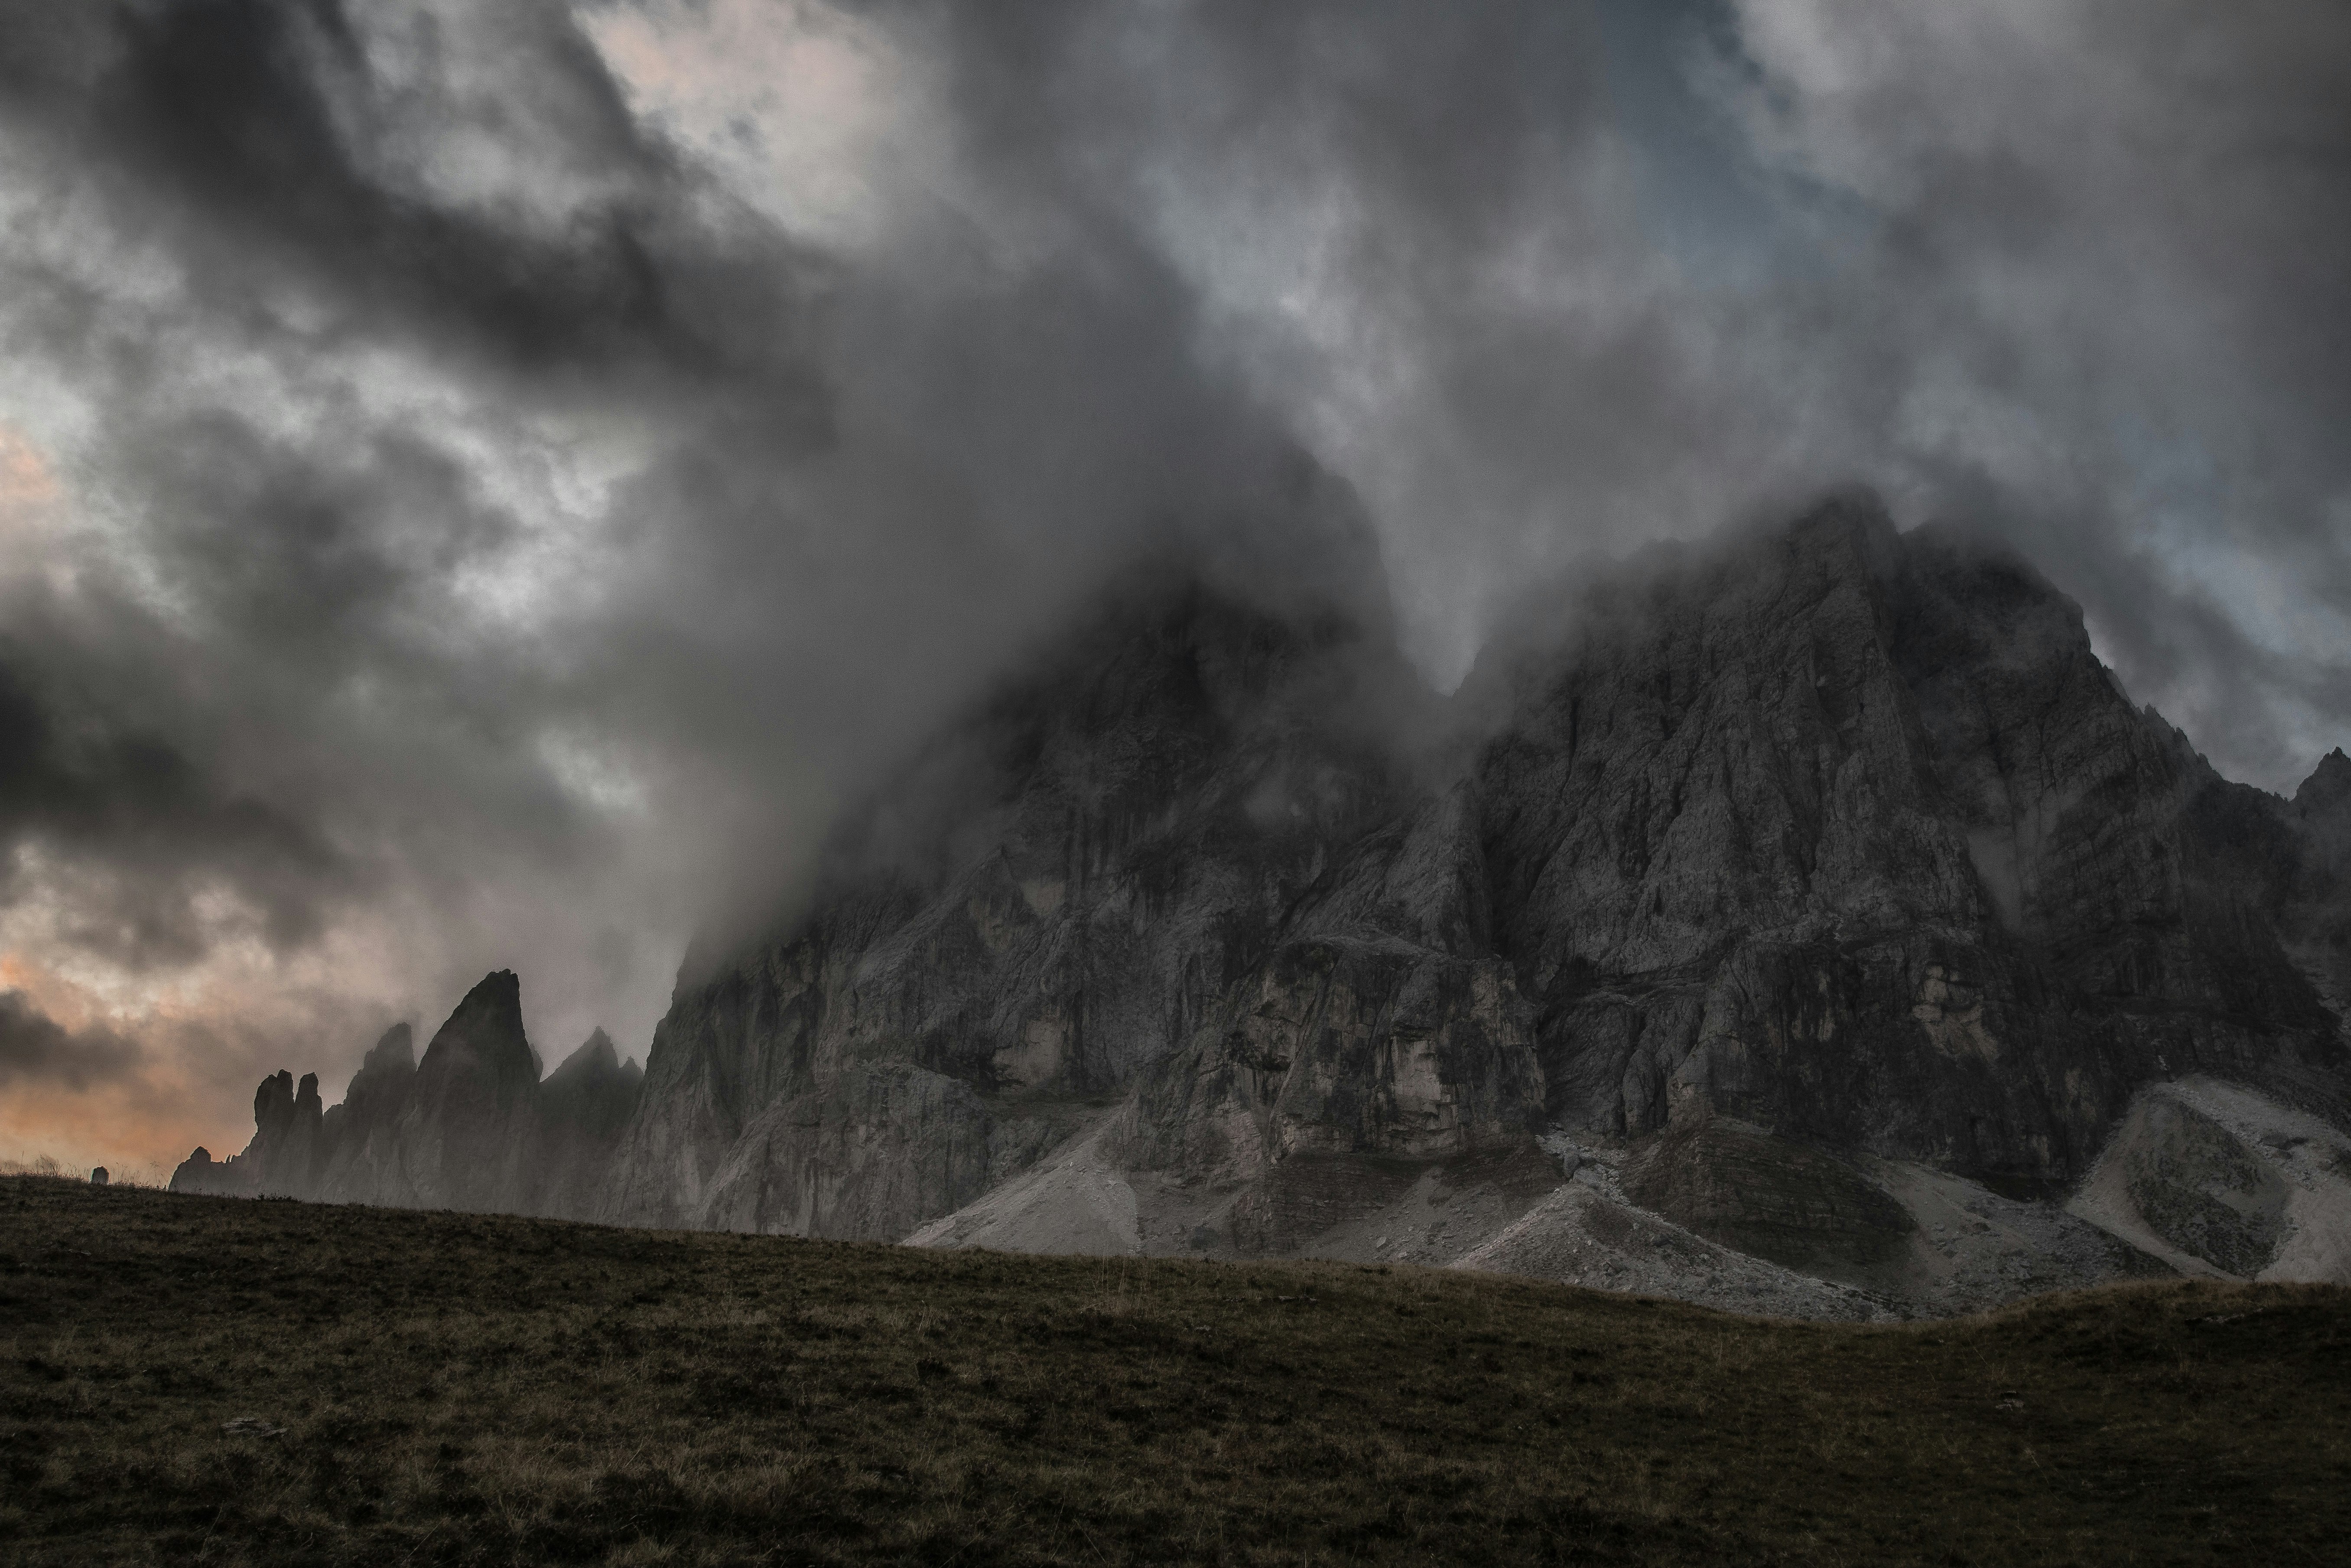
column 210, row 1380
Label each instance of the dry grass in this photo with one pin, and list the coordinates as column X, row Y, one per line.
column 449, row 1388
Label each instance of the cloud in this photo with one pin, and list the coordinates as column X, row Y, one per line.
column 147, row 837
column 34, row 1048
column 2098, row 295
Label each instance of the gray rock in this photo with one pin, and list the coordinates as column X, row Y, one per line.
column 1070, row 886
column 866, row 1155
column 364, row 1134
column 2214, row 1178
column 1849, row 836
column 1785, row 1202
column 578, row 1115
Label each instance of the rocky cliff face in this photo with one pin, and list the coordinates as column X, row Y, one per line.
column 1084, row 875
column 1812, row 923
column 1851, row 837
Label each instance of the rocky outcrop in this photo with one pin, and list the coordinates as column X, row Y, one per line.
column 1808, row 923
column 284, row 1157
column 1850, row 836
column 199, row 1172
column 1785, row 1202
column 578, row 1115
column 467, row 1130
column 362, row 1135
column 1379, row 1034
column 2312, row 903
column 471, row 1127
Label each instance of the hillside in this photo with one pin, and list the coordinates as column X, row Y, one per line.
column 202, row 1380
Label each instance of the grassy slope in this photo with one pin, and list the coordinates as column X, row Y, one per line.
column 453, row 1388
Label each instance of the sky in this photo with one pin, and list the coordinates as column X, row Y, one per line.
column 481, row 485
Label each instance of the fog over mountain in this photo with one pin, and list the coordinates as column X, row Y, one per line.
column 483, row 485
column 1809, row 924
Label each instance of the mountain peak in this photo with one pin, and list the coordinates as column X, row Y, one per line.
column 485, row 1039
column 2328, row 788
column 594, row 1058
column 395, row 1053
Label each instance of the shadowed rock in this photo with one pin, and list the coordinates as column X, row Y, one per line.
column 578, row 1113
column 199, row 1173
column 362, row 1135
column 1784, row 1202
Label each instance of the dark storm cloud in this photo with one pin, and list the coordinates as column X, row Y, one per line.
column 1415, row 228
column 35, row 1047
column 255, row 133
column 147, row 833
column 285, row 623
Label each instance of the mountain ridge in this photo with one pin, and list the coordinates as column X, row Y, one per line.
column 1797, row 880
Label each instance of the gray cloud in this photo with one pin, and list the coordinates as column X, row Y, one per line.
column 509, row 488
column 146, row 832
column 35, row 1047
column 2095, row 296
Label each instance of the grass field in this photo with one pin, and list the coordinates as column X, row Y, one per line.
column 202, row 1380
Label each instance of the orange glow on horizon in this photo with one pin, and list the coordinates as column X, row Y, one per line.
column 121, row 1126
column 146, row 1121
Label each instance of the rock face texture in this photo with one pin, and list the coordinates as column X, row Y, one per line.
column 1100, row 866
column 1851, row 837
column 471, row 1127
column 1808, row 923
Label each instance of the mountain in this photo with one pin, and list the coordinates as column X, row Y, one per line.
column 1808, row 923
